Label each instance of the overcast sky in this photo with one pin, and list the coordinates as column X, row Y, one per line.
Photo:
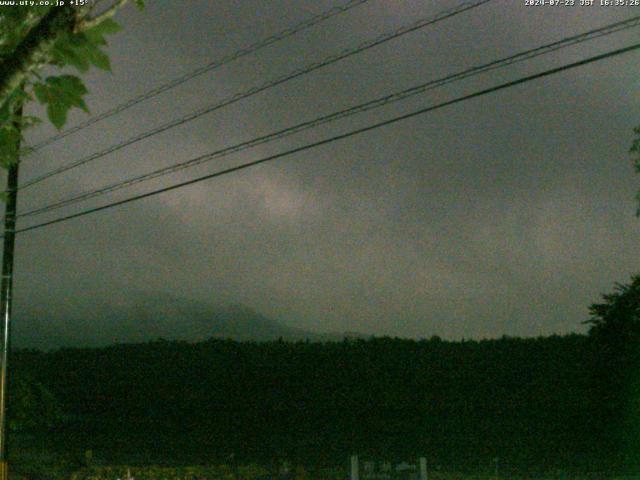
column 506, row 214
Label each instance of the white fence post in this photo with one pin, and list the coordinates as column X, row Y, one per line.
column 423, row 469
column 355, row 474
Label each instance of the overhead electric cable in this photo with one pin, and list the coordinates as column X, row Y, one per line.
column 422, row 23
column 391, row 98
column 243, row 52
column 335, row 138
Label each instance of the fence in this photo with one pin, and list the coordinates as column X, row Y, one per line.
column 372, row 470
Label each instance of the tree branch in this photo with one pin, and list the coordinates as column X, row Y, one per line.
column 30, row 20
column 108, row 13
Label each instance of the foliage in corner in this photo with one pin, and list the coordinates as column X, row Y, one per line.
column 35, row 37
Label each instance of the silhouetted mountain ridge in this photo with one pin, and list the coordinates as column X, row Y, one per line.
column 141, row 317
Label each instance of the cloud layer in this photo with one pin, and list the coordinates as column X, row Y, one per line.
column 508, row 214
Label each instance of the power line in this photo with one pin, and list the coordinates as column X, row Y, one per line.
column 243, row 52
column 379, row 102
column 342, row 136
column 422, row 23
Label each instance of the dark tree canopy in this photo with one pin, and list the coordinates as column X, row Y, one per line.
column 614, row 367
column 618, row 317
column 527, row 401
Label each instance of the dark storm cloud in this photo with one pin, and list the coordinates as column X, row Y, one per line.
column 504, row 215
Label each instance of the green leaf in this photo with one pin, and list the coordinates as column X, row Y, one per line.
column 95, row 39
column 57, row 113
column 70, row 83
column 59, row 94
column 98, row 58
column 68, row 89
column 82, row 49
column 139, row 4
column 68, row 55
column 42, row 92
column 105, row 27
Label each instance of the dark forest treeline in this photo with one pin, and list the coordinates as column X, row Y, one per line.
column 537, row 404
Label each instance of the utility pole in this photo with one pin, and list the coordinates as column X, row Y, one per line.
column 6, row 287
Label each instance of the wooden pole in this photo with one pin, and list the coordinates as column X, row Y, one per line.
column 355, row 473
column 423, row 469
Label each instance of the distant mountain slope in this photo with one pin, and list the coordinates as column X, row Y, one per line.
column 142, row 317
